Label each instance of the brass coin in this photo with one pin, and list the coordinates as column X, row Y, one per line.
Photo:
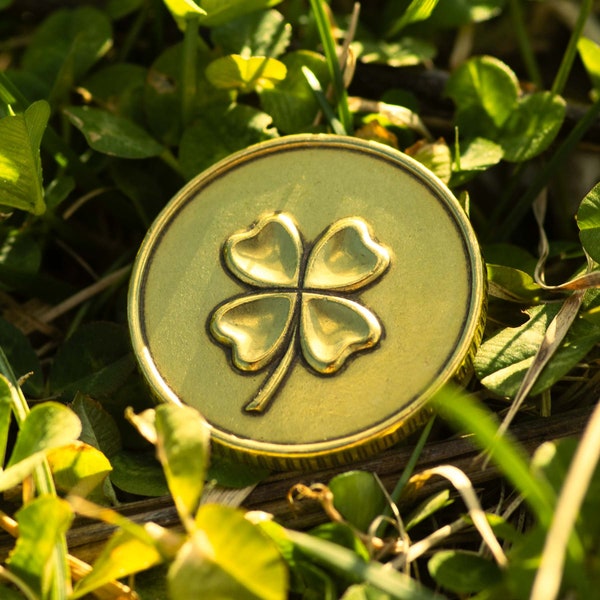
column 308, row 295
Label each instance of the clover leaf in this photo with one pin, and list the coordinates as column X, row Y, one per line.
column 300, row 303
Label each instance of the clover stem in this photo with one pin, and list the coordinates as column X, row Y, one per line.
column 264, row 395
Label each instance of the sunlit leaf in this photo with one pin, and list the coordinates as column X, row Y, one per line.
column 358, row 496
column 245, row 74
column 42, row 522
column 81, row 469
column 532, row 127
column 463, row 572
column 589, row 51
column 512, row 284
column 20, row 163
column 227, row 557
column 588, row 221
column 502, row 360
column 182, row 447
column 417, row 10
column 483, row 84
column 49, row 425
column 123, row 555
column 183, row 9
column 479, row 154
column 111, row 134
column 435, row 156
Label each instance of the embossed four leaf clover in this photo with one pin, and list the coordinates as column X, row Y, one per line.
column 300, row 301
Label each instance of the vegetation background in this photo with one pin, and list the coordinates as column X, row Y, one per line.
column 107, row 108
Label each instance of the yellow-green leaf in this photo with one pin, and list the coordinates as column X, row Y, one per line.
column 20, row 163
column 80, row 468
column 42, row 523
column 589, row 52
column 588, row 221
column 182, row 9
column 234, row 72
column 182, row 447
column 227, row 557
column 49, row 425
column 123, row 555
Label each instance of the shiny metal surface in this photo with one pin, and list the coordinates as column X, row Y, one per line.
column 307, row 296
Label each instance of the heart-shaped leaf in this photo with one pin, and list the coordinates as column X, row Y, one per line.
column 245, row 74
column 333, row 328
column 255, row 327
column 345, row 257
column 267, row 254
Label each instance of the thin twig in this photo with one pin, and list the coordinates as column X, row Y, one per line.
column 84, row 295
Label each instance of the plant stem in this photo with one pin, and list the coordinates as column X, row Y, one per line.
column 549, row 169
column 43, row 481
column 569, row 56
column 340, row 95
column 134, row 32
column 189, row 82
column 260, row 402
column 516, row 13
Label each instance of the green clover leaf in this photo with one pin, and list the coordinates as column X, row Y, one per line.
column 301, row 304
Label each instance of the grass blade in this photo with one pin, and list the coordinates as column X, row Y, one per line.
column 340, row 95
column 468, row 415
column 547, row 582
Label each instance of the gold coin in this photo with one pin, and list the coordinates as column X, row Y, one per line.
column 307, row 296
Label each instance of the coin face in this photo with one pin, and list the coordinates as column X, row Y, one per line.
column 307, row 296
